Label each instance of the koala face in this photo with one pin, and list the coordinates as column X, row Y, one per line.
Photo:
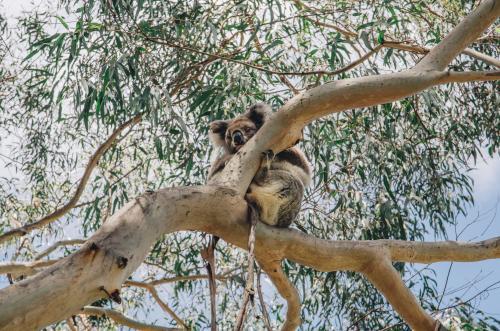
column 238, row 133
column 233, row 134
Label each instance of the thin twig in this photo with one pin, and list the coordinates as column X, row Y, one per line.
column 166, row 308
column 260, row 68
column 154, row 293
column 120, row 318
column 208, row 254
column 21, row 231
column 267, row 322
column 249, row 290
column 58, row 244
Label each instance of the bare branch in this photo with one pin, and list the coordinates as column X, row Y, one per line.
column 249, row 290
column 227, row 219
column 25, row 268
column 208, row 254
column 423, row 50
column 468, row 30
column 286, row 290
column 81, row 186
column 258, row 67
column 57, row 244
column 470, row 76
column 122, row 319
column 152, row 290
column 346, row 33
column 263, row 304
column 167, row 309
column 483, row 57
column 223, row 276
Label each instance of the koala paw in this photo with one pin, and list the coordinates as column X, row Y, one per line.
column 268, row 158
column 268, row 155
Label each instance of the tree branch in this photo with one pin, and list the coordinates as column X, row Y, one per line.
column 167, row 309
column 222, row 276
column 286, row 290
column 21, row 231
column 57, row 244
column 131, row 231
column 121, row 244
column 387, row 280
column 263, row 307
column 258, row 67
column 25, row 268
column 470, row 76
column 423, row 50
column 208, row 254
column 122, row 319
column 249, row 292
column 468, row 30
column 152, row 290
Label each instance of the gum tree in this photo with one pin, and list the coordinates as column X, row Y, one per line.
column 105, row 110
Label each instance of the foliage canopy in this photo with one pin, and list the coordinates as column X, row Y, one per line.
column 70, row 75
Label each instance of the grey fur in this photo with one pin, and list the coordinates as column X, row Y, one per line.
column 278, row 187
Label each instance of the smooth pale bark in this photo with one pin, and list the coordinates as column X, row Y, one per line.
column 64, row 288
column 25, row 268
column 354, row 93
column 102, row 264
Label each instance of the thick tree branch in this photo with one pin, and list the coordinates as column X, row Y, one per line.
column 468, row 30
column 122, row 319
column 130, row 233
column 387, row 280
column 287, row 290
column 81, row 186
column 121, row 244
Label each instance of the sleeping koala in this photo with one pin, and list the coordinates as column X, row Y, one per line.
column 277, row 189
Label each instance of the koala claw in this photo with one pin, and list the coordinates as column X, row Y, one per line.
column 269, row 155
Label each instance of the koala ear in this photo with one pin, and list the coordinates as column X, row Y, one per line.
column 259, row 113
column 217, row 132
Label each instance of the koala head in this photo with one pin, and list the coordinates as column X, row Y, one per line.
column 233, row 134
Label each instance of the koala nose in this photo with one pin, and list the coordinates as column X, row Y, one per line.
column 238, row 138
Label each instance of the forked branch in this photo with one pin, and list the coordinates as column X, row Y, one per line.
column 21, row 231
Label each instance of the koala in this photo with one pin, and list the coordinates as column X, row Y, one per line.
column 277, row 189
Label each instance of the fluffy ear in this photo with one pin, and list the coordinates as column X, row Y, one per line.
column 259, row 113
column 217, row 132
